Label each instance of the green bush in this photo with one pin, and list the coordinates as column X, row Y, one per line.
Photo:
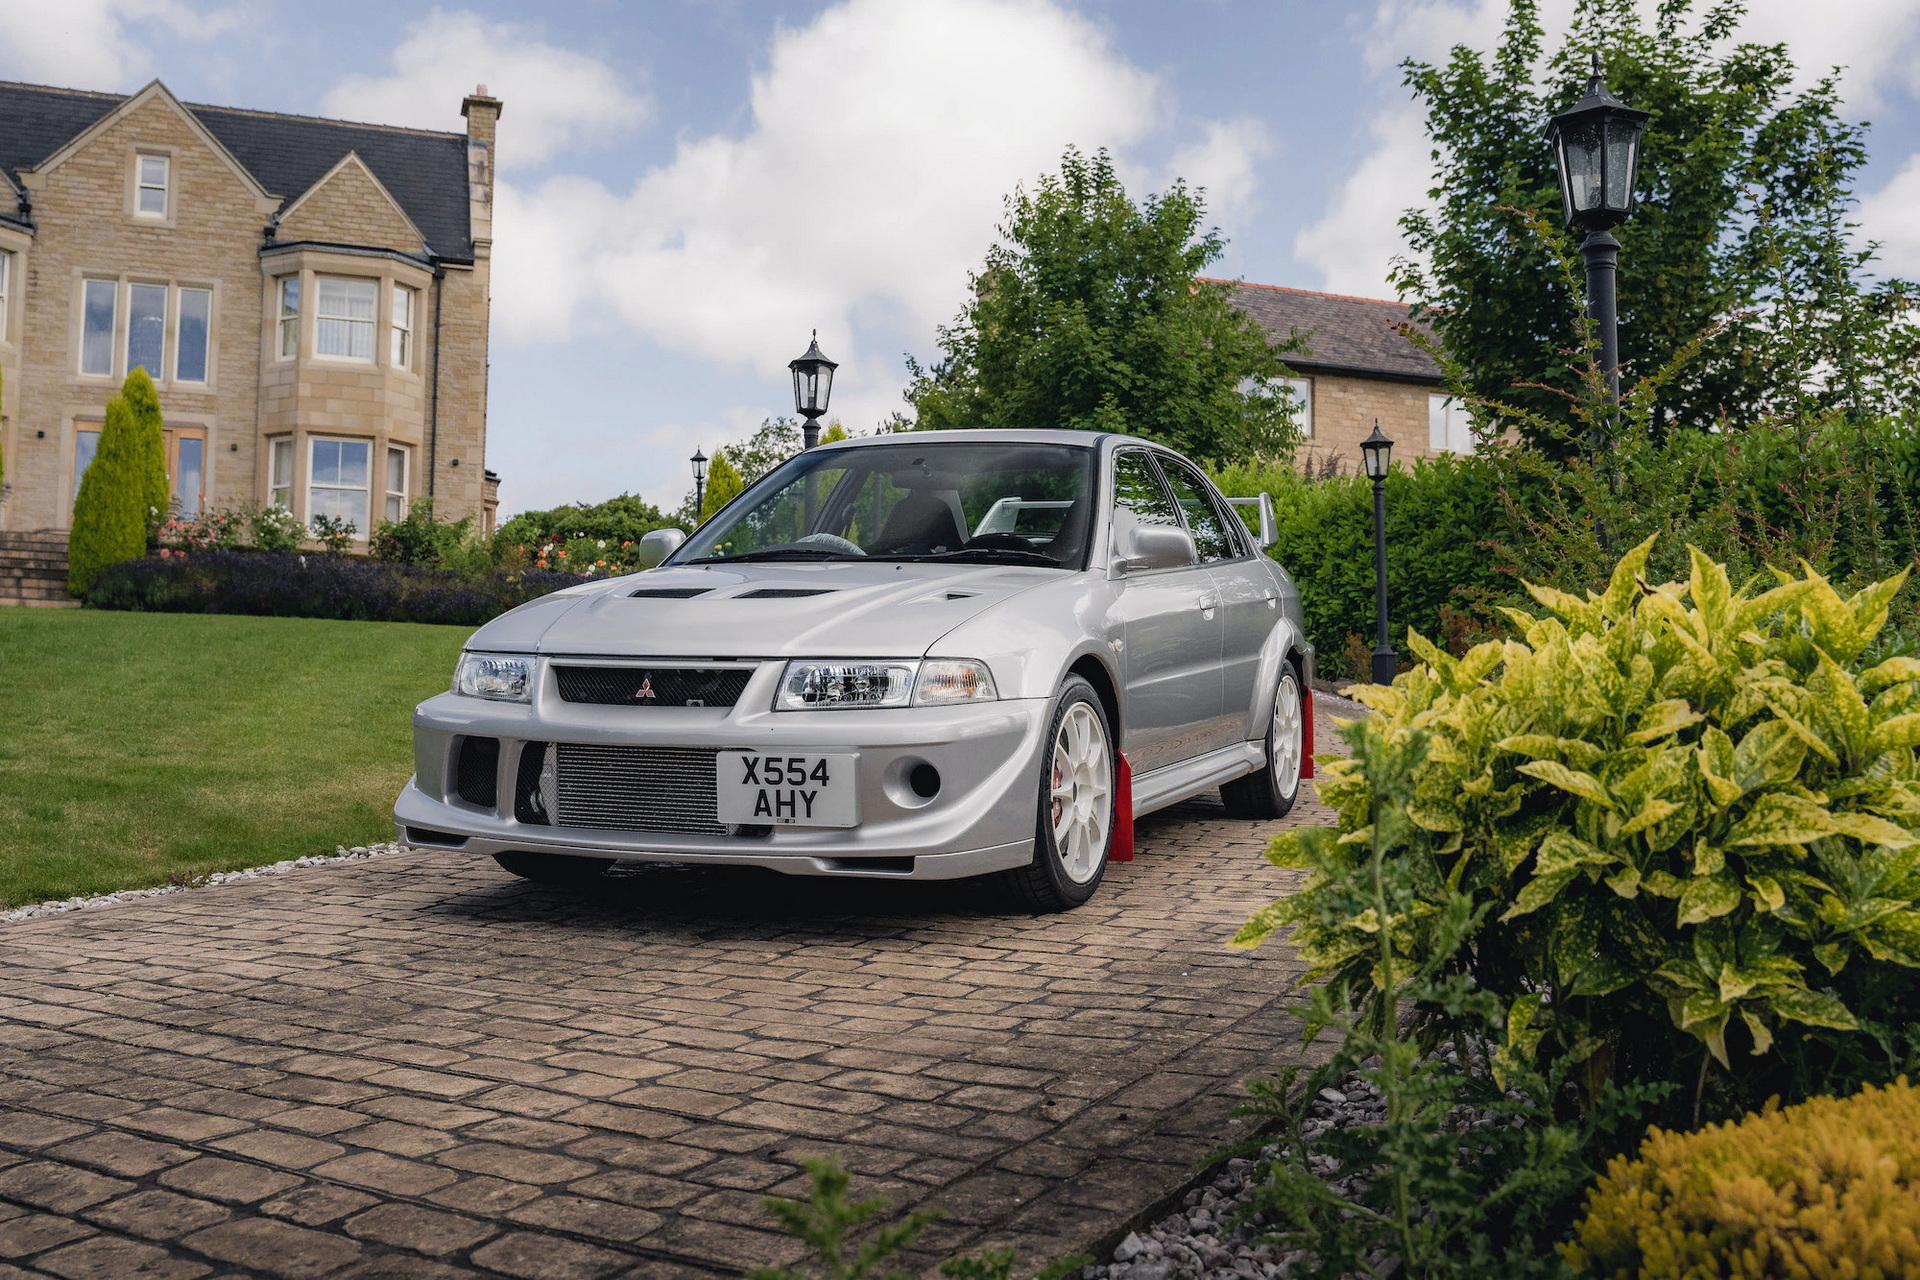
column 1828, row 1190
column 1683, row 817
column 275, row 529
column 617, row 520
column 1440, row 514
column 150, row 446
column 109, row 514
column 421, row 538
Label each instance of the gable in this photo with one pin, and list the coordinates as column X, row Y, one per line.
column 350, row 206
column 158, row 117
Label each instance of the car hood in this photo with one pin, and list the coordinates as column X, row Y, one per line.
column 778, row 610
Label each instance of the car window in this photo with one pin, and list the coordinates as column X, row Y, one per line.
column 1138, row 496
column 1210, row 537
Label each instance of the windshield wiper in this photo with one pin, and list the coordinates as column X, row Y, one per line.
column 996, row 553
column 777, row 553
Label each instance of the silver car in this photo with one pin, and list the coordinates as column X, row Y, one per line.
column 916, row 656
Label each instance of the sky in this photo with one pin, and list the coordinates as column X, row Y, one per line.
column 689, row 188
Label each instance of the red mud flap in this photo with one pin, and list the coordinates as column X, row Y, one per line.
column 1306, row 736
column 1120, row 849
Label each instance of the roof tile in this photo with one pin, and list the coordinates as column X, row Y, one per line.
column 1342, row 333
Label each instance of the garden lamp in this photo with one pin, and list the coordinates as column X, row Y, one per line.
column 699, row 461
column 812, row 384
column 1377, row 453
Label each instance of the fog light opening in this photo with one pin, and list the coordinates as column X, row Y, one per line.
column 924, row 779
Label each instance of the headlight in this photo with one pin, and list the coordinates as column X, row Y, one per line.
column 944, row 681
column 825, row 686
column 494, row 676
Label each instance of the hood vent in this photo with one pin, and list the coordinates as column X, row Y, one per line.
column 783, row 593
column 961, row 595
column 668, row 593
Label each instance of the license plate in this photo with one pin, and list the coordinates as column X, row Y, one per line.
column 762, row 789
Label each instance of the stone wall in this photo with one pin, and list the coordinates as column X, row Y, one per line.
column 1345, row 408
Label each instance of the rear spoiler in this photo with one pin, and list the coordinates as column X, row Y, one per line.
column 1269, row 528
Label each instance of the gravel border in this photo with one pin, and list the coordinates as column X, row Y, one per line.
column 359, row 853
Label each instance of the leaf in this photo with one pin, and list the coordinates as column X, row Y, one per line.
column 1539, row 892
column 1896, row 734
column 1710, row 590
column 1762, row 1038
column 1892, row 671
column 1654, row 812
column 1625, row 882
column 1523, row 1039
column 1767, row 893
column 1662, row 719
column 1841, row 711
column 1815, row 1008
column 1563, row 851
column 1705, row 1015
column 1708, row 897
column 1868, row 829
column 1542, row 746
column 1584, row 785
column 1781, row 819
column 1768, row 755
column 1623, row 585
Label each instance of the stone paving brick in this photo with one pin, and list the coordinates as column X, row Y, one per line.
column 419, row 1067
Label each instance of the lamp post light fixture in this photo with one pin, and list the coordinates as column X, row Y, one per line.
column 812, row 384
column 1596, row 143
column 1376, row 451
column 699, row 461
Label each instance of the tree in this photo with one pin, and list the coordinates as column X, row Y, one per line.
column 150, row 445
column 109, row 515
column 1741, row 227
column 627, row 518
column 724, row 484
column 1089, row 315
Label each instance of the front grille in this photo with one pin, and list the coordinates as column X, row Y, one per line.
column 653, row 686
column 636, row 788
column 476, row 771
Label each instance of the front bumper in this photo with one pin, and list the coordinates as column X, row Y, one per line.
column 982, row 819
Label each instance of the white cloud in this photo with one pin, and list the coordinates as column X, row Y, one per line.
column 1887, row 216
column 1354, row 242
column 554, row 98
column 1223, row 162
column 99, row 44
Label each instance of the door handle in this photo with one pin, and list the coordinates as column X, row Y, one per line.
column 1208, row 604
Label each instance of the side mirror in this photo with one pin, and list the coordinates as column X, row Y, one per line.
column 658, row 545
column 1156, row 546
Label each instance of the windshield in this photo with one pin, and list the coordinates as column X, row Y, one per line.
column 920, row 499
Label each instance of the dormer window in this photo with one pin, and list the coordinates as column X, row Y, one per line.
column 154, row 173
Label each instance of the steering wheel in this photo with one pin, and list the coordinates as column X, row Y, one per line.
column 833, row 541
column 999, row 542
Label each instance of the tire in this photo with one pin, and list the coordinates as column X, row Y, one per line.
column 1270, row 792
column 559, row 870
column 1079, row 744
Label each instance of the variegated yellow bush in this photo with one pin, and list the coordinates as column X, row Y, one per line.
column 1681, row 810
column 1827, row 1190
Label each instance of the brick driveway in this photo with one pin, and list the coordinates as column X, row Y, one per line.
column 421, row 1067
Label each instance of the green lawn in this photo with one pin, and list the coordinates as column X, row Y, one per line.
column 140, row 747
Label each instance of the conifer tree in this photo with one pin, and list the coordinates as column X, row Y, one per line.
column 109, row 519
column 723, row 485
column 150, row 453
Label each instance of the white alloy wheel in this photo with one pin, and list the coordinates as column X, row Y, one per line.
column 1284, row 743
column 1083, row 792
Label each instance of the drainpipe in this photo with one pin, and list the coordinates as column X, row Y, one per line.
column 433, row 389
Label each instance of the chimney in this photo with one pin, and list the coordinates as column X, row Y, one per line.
column 482, row 113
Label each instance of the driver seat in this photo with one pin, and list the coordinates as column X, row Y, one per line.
column 920, row 520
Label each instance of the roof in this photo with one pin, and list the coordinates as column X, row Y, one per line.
column 425, row 171
column 1343, row 334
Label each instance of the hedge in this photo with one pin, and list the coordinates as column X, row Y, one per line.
column 316, row 586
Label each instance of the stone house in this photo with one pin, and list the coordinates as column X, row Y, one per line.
column 1357, row 368
column 310, row 297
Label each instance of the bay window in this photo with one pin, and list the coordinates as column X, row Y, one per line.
column 396, row 483
column 402, row 355
column 337, row 481
column 345, row 318
column 280, row 473
column 99, row 303
column 289, row 317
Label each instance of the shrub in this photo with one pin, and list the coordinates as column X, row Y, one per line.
column 333, row 533
column 723, row 486
column 275, row 529
column 296, row 586
column 150, row 448
column 623, row 519
column 109, row 515
column 421, row 538
column 212, row 530
column 1683, row 817
column 1827, row 1190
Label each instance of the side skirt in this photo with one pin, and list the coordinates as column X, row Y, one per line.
column 1177, row 782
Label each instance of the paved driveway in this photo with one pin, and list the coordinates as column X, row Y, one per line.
column 421, row 1067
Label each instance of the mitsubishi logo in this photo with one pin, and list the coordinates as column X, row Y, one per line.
column 646, row 689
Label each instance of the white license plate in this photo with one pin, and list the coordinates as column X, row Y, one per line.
column 763, row 789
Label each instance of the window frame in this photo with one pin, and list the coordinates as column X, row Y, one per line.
column 278, row 448
column 87, row 284
column 1159, row 482
column 141, row 186
column 401, row 341
column 1302, row 389
column 1169, row 467
column 1455, row 425
column 399, row 495
column 287, row 334
column 362, row 528
column 321, row 319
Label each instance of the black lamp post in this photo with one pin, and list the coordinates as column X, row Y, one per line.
column 699, row 461
column 1377, row 453
column 1596, row 143
column 812, row 384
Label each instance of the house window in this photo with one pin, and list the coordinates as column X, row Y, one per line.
column 96, row 338
column 6, row 274
column 146, row 328
column 402, row 327
column 1302, row 391
column 190, row 347
column 86, row 443
column 337, row 481
column 1449, row 426
column 289, row 317
column 346, row 315
column 152, row 197
column 280, row 473
column 396, row 483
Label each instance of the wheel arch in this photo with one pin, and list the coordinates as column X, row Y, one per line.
column 1091, row 669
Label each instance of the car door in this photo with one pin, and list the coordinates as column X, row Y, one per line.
column 1248, row 603
column 1171, row 632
